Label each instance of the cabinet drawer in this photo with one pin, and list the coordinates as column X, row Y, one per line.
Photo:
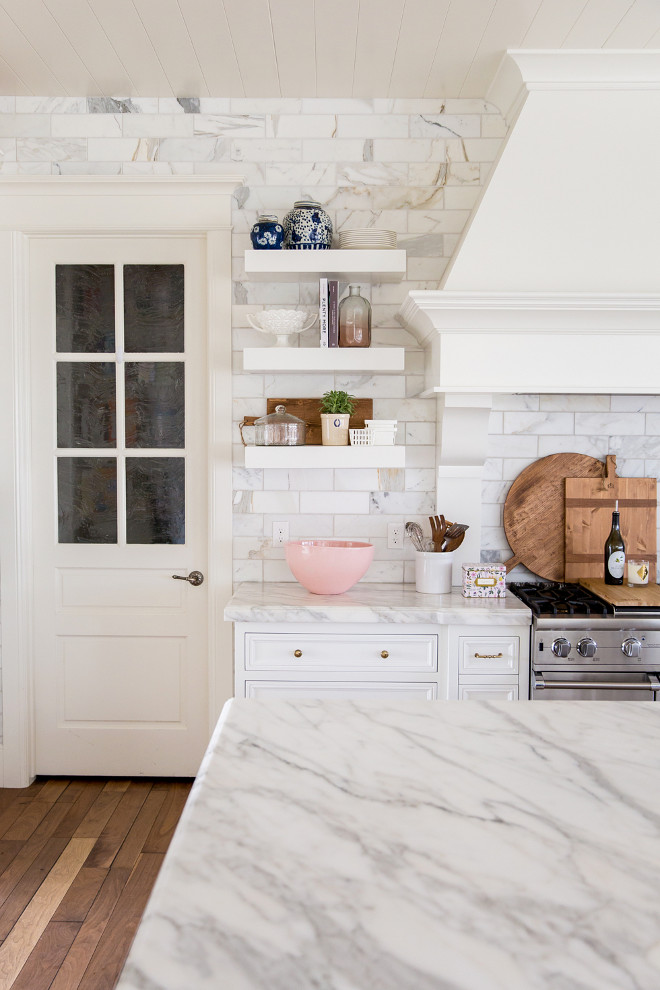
column 488, row 654
column 488, row 692
column 340, row 689
column 313, row 651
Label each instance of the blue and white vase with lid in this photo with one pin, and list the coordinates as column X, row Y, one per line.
column 307, row 227
column 267, row 234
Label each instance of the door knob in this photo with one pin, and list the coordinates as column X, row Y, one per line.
column 195, row 578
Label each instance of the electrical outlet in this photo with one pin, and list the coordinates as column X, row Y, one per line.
column 395, row 536
column 280, row 533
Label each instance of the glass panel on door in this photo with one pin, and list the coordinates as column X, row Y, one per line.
column 116, row 409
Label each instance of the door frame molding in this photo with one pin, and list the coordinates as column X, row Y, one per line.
column 90, row 205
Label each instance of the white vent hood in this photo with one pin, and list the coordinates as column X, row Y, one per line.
column 555, row 285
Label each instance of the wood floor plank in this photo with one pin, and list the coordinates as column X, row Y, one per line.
column 91, row 931
column 13, row 810
column 140, row 829
column 47, row 956
column 8, row 852
column 81, row 895
column 29, row 884
column 110, row 955
column 79, row 809
column 36, row 810
column 118, row 825
column 96, row 818
column 166, row 821
column 25, row 934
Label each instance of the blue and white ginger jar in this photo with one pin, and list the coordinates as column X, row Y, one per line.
column 307, row 227
column 267, row 234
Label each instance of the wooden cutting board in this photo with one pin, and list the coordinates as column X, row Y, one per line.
column 308, row 409
column 534, row 512
column 588, row 512
column 641, row 595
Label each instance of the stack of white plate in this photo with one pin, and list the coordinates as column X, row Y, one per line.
column 367, row 238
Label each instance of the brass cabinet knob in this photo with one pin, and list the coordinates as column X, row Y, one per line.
column 384, row 654
column 297, row 653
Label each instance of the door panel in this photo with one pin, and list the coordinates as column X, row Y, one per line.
column 119, row 418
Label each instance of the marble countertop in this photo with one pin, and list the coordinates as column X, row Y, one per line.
column 414, row 846
column 394, row 603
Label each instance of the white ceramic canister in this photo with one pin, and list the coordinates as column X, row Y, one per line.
column 433, row 572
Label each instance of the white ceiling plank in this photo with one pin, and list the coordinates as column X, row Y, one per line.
column 169, row 35
column 294, row 32
column 249, row 23
column 45, row 35
column 596, row 23
column 211, row 39
column 422, row 25
column 127, row 35
column 637, row 27
column 552, row 23
column 23, row 61
column 378, row 33
column 10, row 83
column 506, row 28
column 457, row 46
column 88, row 38
column 336, row 38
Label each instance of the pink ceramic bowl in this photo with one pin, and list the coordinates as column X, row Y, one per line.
column 328, row 567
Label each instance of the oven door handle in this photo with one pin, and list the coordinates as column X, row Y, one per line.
column 653, row 685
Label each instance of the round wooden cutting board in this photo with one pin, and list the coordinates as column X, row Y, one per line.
column 534, row 512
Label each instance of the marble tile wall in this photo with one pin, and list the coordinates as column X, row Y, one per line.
column 416, row 166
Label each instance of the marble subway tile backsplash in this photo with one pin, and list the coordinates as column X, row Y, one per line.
column 414, row 166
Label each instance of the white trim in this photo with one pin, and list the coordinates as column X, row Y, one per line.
column 72, row 205
column 524, row 70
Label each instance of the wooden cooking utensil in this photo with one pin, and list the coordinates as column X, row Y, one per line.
column 589, row 505
column 534, row 512
column 453, row 544
column 438, row 529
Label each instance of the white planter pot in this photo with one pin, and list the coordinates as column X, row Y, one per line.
column 334, row 429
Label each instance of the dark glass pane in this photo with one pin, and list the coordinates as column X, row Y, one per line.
column 85, row 404
column 155, row 497
column 87, row 499
column 85, row 308
column 155, row 404
column 153, row 308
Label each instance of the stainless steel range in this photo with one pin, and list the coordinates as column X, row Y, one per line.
column 586, row 650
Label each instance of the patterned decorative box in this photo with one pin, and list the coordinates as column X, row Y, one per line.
column 484, row 580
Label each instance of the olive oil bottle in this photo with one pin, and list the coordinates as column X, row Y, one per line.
column 615, row 552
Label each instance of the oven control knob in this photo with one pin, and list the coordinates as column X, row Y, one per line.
column 631, row 648
column 587, row 647
column 561, row 647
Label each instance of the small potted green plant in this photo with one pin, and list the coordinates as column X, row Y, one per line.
column 336, row 410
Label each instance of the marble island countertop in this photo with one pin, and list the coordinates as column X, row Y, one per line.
column 414, row 846
column 386, row 603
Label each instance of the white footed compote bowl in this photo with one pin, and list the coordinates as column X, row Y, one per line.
column 283, row 324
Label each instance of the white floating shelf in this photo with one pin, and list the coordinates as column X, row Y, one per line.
column 377, row 360
column 377, row 266
column 313, row 456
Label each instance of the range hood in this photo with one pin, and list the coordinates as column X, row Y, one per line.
column 555, row 284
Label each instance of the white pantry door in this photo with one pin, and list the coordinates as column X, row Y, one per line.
column 119, row 474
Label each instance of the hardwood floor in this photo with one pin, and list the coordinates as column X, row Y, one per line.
column 78, row 859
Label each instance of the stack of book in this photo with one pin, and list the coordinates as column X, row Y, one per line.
column 328, row 312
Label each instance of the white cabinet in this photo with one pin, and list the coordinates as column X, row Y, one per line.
column 363, row 660
column 493, row 664
column 340, row 661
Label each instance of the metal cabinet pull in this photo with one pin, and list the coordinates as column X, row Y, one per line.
column 488, row 656
column 384, row 654
column 195, row 578
column 297, row 653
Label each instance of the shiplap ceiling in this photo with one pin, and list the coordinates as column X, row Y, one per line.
column 268, row 48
